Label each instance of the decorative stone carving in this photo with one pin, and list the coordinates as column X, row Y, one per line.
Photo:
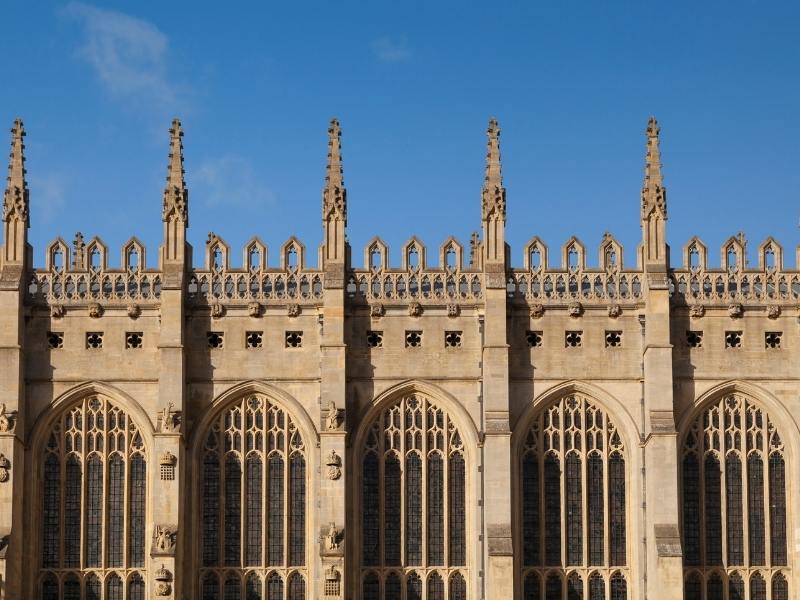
column 697, row 310
column 537, row 311
column 217, row 310
column 6, row 421
column 254, row 309
column 163, row 577
column 167, row 459
column 293, row 310
column 334, row 463
column 134, row 310
column 614, row 311
column 95, row 310
column 332, row 573
column 735, row 311
column 5, row 466
column 575, row 309
column 57, row 311
column 773, row 311
column 414, row 309
column 376, row 310
column 332, row 537
column 453, row 310
column 332, row 418
column 167, row 419
column 163, row 540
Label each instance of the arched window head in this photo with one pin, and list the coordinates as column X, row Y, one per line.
column 733, row 496
column 92, row 507
column 413, row 501
column 572, row 500
column 253, row 503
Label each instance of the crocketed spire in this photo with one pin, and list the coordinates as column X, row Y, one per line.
column 334, row 195
column 15, row 197
column 493, row 205
column 176, row 194
column 654, row 195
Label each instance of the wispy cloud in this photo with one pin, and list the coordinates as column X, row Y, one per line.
column 390, row 50
column 128, row 55
column 230, row 181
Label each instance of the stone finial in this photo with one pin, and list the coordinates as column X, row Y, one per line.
column 493, row 205
column 78, row 254
column 15, row 197
column 654, row 195
column 176, row 194
column 334, row 195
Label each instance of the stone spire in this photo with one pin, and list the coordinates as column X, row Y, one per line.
column 334, row 195
column 654, row 196
column 334, row 200
column 654, row 204
column 493, row 204
column 15, row 198
column 175, row 211
column 176, row 194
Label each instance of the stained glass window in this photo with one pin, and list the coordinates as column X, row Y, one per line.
column 597, row 587
column 49, row 587
column 619, row 587
column 136, row 587
column 780, row 587
column 457, row 510
column 714, row 588
column 532, row 588
column 371, row 588
column 297, row 587
column 413, row 498
column 252, row 587
column 755, row 504
column 758, row 588
column 392, row 516
column 51, row 512
column 574, row 587
column 435, row 499
column 254, row 530
column 691, row 510
column 116, row 510
column 553, row 587
column 136, row 512
column 693, row 589
column 297, row 514
column 713, row 511
column 210, row 509
column 435, row 587
column 114, row 587
column 414, row 587
column 275, row 510
column 232, row 591
column 210, row 587
column 274, row 587
column 233, row 511
column 530, row 510
column 616, row 509
column 595, row 510
column 72, row 513
column 393, row 587
column 93, row 588
column 777, row 510
column 735, row 587
column 552, row 510
column 733, row 493
column 370, row 514
column 574, row 513
column 72, row 588
column 458, row 587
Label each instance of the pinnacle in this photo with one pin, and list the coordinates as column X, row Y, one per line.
column 176, row 195
column 334, row 195
column 16, row 165
column 494, row 176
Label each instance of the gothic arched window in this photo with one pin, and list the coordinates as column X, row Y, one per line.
column 733, row 494
column 413, row 504
column 253, row 505
column 573, row 499
column 94, row 480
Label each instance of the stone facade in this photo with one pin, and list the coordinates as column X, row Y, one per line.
column 455, row 425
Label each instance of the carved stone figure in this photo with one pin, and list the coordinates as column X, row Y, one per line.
column 537, row 311
column 163, row 578
column 697, row 310
column 95, row 310
column 5, row 466
column 217, row 310
column 167, row 419
column 376, row 310
column 134, row 310
column 735, row 311
column 57, row 311
column 334, row 464
column 575, row 309
column 332, row 537
column 163, row 540
column 774, row 311
column 332, row 418
column 453, row 310
column 254, row 309
column 414, row 309
column 614, row 311
column 293, row 310
column 6, row 422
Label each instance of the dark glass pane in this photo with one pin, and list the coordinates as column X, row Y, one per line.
column 116, row 510
column 530, row 511
column 574, row 513
column 533, row 587
column 594, row 477
column 574, row 588
column 275, row 585
column 755, row 504
column 391, row 512
column 210, row 510
column 255, row 474
column 232, row 588
column 370, row 511
column 691, row 511
column 619, row 587
column 297, row 510
column 210, row 587
column 413, row 509
column 51, row 512
column 758, row 589
column 414, row 586
column 435, row 588
column 457, row 514
column 72, row 588
column 114, row 588
column 252, row 588
column 233, row 511
column 552, row 589
column 713, row 511
column 777, row 511
column 393, row 587
column 297, row 587
column 72, row 514
column 552, row 512
column 780, row 588
column 136, row 511
column 693, row 589
column 93, row 588
column 735, row 588
column 49, row 588
column 136, row 588
column 458, row 588
column 435, row 517
column 275, row 512
column 371, row 587
column 616, row 510
column 733, row 499
column 94, row 512
column 597, row 587
column 714, row 589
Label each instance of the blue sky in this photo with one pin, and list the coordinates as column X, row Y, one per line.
column 413, row 84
